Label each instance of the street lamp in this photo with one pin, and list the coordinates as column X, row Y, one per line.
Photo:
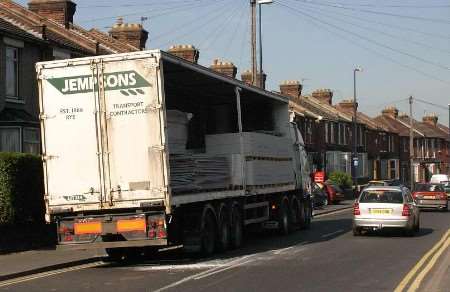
column 260, row 3
column 354, row 132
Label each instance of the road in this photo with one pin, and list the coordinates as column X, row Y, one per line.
column 325, row 258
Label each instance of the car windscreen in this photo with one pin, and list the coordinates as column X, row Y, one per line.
column 381, row 196
column 377, row 184
column 428, row 188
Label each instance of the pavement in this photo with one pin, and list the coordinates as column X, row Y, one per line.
column 325, row 258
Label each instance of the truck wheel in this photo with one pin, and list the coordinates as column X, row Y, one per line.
column 308, row 214
column 284, row 219
column 208, row 234
column 295, row 214
column 115, row 254
column 223, row 241
column 237, row 230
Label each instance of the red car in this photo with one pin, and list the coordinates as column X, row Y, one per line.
column 334, row 192
column 430, row 196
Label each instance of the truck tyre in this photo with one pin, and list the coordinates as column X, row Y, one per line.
column 284, row 218
column 237, row 229
column 308, row 213
column 208, row 233
column 295, row 214
column 115, row 254
column 223, row 240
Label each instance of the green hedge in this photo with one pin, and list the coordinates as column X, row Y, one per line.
column 21, row 189
column 341, row 178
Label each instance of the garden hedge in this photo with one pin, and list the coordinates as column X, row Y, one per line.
column 21, row 189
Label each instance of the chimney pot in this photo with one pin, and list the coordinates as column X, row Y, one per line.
column 187, row 52
column 390, row 112
column 225, row 68
column 291, row 88
column 133, row 34
column 247, row 77
column 323, row 95
column 61, row 11
column 431, row 119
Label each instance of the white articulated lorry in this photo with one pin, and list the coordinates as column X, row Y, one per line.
column 149, row 150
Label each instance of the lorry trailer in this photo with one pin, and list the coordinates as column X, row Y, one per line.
column 145, row 149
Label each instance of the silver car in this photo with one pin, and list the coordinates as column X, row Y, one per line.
column 386, row 207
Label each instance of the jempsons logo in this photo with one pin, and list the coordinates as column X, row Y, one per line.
column 128, row 82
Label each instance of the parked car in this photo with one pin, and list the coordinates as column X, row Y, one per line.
column 381, row 207
column 334, row 192
column 430, row 196
column 439, row 178
column 447, row 190
column 319, row 196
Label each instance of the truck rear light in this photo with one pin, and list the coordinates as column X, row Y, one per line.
column 92, row 227
column 356, row 210
column 130, row 225
column 65, row 231
column 406, row 211
column 157, row 227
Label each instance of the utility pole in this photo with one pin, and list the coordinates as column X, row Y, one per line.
column 253, row 38
column 355, row 161
column 261, row 81
column 411, row 143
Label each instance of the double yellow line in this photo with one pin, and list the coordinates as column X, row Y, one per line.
column 431, row 257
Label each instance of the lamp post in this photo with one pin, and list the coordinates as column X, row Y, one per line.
column 354, row 131
column 261, row 78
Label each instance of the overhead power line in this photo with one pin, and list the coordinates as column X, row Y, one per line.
column 377, row 5
column 368, row 39
column 166, row 11
column 135, row 4
column 432, row 104
column 321, row 25
column 444, row 21
column 396, row 37
column 389, row 25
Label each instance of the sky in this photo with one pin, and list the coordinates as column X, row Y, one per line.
column 402, row 46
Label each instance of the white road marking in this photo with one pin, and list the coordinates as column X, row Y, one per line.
column 334, row 212
column 332, row 233
column 48, row 274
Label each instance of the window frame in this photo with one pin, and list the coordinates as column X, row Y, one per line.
column 36, row 142
column 20, row 136
column 16, row 96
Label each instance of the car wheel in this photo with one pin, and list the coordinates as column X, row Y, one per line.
column 417, row 226
column 409, row 232
column 356, row 231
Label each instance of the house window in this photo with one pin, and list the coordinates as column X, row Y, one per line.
column 10, row 139
column 31, row 142
column 326, row 132
column 12, row 72
column 345, row 134
column 393, row 168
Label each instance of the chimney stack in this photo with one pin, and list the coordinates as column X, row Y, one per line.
column 246, row 76
column 291, row 88
column 132, row 33
column 225, row 68
column 61, row 11
column 323, row 95
column 187, row 52
column 390, row 112
column 430, row 120
column 346, row 104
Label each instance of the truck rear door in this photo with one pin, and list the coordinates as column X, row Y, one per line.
column 134, row 132
column 70, row 148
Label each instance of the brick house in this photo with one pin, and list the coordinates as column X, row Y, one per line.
column 326, row 130
column 44, row 31
column 431, row 144
column 382, row 144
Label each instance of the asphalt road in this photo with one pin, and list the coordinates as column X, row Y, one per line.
column 325, row 258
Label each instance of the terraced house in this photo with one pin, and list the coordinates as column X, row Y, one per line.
column 431, row 144
column 40, row 32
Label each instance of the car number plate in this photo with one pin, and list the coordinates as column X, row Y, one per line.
column 428, row 197
column 380, row 211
